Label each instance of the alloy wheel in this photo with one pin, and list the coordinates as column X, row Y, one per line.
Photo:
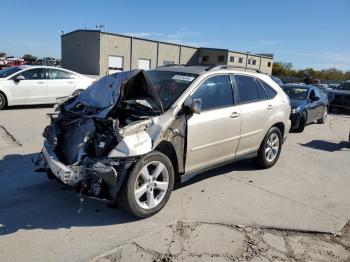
column 272, row 147
column 151, row 185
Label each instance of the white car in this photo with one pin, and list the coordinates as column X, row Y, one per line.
column 23, row 85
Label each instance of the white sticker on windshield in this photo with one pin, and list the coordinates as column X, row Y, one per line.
column 183, row 78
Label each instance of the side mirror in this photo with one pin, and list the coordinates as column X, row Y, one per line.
column 196, row 106
column 19, row 78
column 193, row 106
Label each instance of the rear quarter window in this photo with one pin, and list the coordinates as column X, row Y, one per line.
column 269, row 90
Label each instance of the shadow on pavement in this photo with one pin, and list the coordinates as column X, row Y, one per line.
column 327, row 145
column 29, row 200
column 242, row 165
column 342, row 112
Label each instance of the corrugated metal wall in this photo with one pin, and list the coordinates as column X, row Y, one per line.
column 81, row 52
column 189, row 55
column 168, row 53
column 88, row 51
column 142, row 49
column 112, row 45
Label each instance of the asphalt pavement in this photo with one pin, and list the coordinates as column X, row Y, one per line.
column 306, row 192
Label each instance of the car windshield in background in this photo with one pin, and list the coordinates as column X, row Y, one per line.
column 9, row 71
column 169, row 85
column 296, row 93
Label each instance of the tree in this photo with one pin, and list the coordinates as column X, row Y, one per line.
column 308, row 75
column 2, row 54
column 29, row 58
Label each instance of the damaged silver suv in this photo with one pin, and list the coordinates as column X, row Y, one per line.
column 130, row 135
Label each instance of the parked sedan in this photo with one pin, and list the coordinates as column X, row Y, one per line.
column 24, row 85
column 341, row 96
column 308, row 104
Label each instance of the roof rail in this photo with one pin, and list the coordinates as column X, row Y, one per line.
column 233, row 67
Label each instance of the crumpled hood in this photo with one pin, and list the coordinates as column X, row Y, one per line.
column 99, row 99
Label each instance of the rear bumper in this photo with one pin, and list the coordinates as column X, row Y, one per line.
column 69, row 175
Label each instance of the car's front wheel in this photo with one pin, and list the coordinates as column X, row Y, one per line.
column 270, row 148
column 148, row 186
column 324, row 116
column 2, row 101
column 302, row 123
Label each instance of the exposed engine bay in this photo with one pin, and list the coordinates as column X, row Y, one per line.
column 95, row 137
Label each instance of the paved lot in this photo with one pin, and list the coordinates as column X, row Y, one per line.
column 265, row 214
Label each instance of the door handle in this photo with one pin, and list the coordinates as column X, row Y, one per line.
column 70, row 82
column 41, row 82
column 234, row 115
column 269, row 107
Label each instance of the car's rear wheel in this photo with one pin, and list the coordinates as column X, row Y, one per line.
column 3, row 101
column 148, row 186
column 270, row 148
column 324, row 116
column 302, row 123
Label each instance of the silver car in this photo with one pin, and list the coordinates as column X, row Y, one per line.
column 130, row 135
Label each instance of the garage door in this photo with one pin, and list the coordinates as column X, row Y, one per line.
column 115, row 64
column 144, row 64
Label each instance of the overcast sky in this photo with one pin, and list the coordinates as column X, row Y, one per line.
column 306, row 33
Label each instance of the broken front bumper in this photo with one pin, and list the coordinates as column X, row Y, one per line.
column 70, row 175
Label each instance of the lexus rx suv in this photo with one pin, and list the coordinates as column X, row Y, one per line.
column 130, row 135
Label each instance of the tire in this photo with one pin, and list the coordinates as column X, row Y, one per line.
column 77, row 92
column 302, row 123
column 141, row 194
column 272, row 143
column 3, row 101
column 324, row 116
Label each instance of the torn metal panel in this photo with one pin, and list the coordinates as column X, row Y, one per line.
column 97, row 135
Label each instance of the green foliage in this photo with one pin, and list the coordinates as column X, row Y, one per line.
column 29, row 57
column 2, row 54
column 286, row 69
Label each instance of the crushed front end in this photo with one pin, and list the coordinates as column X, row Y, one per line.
column 94, row 138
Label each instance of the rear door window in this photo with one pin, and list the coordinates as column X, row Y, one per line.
column 34, row 74
column 59, row 74
column 247, row 89
column 215, row 92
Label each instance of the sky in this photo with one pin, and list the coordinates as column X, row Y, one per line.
column 305, row 33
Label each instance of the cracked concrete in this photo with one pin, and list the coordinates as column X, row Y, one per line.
column 214, row 242
column 7, row 139
column 307, row 191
